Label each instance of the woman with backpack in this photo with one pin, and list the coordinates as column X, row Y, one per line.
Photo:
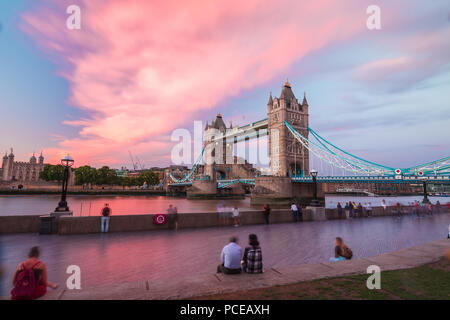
column 30, row 279
column 252, row 260
column 341, row 251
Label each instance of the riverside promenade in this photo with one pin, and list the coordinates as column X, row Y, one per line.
column 181, row 262
column 187, row 286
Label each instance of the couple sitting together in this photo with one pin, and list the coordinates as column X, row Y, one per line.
column 233, row 262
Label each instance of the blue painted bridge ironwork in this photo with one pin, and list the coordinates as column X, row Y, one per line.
column 361, row 170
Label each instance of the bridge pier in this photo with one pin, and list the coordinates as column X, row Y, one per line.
column 202, row 189
column 281, row 191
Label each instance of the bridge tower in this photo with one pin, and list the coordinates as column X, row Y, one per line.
column 287, row 156
column 219, row 152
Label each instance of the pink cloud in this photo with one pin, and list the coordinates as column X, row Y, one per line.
column 419, row 56
column 141, row 68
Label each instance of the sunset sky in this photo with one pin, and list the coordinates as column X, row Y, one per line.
column 137, row 70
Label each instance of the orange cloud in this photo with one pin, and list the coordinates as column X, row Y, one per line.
column 141, row 68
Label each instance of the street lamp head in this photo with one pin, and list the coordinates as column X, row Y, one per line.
column 313, row 172
column 67, row 161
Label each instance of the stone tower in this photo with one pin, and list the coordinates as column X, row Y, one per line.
column 219, row 152
column 41, row 159
column 287, row 156
column 8, row 166
column 33, row 159
column 5, row 167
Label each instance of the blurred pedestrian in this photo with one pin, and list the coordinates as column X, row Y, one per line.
column 339, row 210
column 294, row 210
column 266, row 211
column 236, row 217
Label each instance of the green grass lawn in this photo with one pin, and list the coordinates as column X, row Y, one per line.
column 431, row 281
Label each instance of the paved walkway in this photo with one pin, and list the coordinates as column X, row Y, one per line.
column 208, row 284
column 163, row 259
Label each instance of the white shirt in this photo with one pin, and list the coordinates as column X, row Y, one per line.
column 235, row 212
column 294, row 207
column 231, row 256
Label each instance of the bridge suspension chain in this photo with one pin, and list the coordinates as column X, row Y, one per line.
column 188, row 177
column 339, row 158
column 348, row 163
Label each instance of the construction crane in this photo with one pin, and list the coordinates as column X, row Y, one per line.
column 139, row 161
column 135, row 167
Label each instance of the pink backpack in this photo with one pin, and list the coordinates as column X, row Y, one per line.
column 26, row 284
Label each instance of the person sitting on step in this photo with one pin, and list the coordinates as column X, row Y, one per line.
column 252, row 260
column 30, row 278
column 341, row 251
column 231, row 258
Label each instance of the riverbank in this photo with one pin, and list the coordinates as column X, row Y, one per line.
column 216, row 285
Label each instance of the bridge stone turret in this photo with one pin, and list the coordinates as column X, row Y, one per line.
column 287, row 156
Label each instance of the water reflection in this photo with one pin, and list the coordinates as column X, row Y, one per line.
column 88, row 205
column 83, row 205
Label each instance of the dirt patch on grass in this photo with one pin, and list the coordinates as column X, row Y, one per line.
column 442, row 264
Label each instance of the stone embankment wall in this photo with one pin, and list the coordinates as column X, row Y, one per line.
column 128, row 223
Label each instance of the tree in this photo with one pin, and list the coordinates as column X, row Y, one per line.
column 148, row 177
column 85, row 174
column 52, row 173
column 105, row 175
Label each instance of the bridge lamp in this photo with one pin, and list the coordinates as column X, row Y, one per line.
column 66, row 162
column 314, row 202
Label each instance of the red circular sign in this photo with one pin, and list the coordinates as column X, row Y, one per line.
column 398, row 171
column 420, row 173
column 160, row 219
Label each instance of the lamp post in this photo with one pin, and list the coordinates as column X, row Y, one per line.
column 67, row 162
column 425, row 193
column 314, row 202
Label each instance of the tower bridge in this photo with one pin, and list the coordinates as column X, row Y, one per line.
column 292, row 146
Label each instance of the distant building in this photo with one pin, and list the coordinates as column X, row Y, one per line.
column 122, row 173
column 21, row 171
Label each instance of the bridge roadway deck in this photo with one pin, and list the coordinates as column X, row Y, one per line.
column 177, row 262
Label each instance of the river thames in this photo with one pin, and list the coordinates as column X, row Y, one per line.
column 91, row 205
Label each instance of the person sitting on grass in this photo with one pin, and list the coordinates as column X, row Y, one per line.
column 252, row 260
column 30, row 279
column 341, row 251
column 231, row 258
